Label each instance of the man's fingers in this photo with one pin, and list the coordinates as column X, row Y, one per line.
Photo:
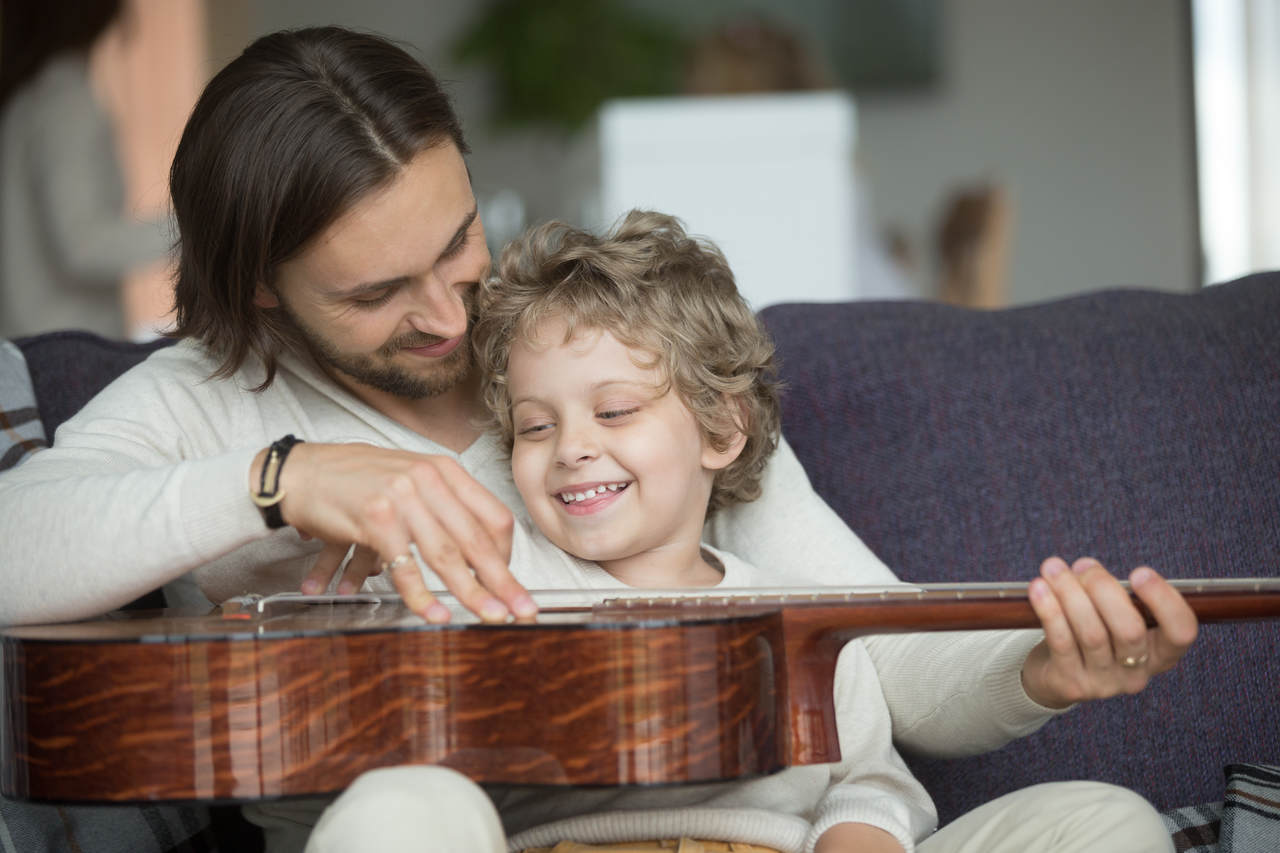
column 491, row 513
column 1176, row 623
column 477, row 550
column 363, row 563
column 326, row 566
column 1057, row 630
column 407, row 579
column 1121, row 618
column 443, row 556
column 1091, row 635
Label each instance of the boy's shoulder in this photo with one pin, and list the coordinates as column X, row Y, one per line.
column 538, row 563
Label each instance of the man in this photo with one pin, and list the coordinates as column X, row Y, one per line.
column 329, row 249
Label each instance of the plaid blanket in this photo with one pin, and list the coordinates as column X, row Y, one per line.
column 21, row 432
column 31, row 828
column 1246, row 821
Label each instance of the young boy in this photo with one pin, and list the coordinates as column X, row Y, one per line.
column 637, row 392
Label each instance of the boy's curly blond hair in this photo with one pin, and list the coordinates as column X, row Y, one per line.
column 656, row 289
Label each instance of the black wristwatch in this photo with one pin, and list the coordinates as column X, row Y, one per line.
column 269, row 494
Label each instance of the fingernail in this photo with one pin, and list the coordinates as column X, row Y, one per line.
column 493, row 611
column 1083, row 565
column 310, row 587
column 437, row 613
column 1053, row 567
column 1141, row 576
column 1038, row 590
column 346, row 588
column 525, row 606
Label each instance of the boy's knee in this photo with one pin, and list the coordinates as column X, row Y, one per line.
column 410, row 808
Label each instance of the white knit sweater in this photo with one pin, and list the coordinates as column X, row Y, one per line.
column 149, row 482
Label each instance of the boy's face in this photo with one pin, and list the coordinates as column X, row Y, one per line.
column 611, row 468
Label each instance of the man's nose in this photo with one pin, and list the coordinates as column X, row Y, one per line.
column 439, row 309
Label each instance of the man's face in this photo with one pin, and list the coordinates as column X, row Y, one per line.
column 383, row 297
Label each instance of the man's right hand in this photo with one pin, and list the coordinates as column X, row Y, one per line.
column 383, row 501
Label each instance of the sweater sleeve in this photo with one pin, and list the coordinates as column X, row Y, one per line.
column 955, row 693
column 871, row 784
column 947, row 693
column 135, row 493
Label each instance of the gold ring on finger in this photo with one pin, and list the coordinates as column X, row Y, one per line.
column 1132, row 662
column 404, row 558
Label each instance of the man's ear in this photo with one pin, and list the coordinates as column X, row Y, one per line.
column 264, row 298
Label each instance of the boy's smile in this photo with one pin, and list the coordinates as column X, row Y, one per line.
column 611, row 464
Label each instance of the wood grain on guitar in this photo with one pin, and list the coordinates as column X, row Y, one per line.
column 291, row 696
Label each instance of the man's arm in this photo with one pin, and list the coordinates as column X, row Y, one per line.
column 943, row 695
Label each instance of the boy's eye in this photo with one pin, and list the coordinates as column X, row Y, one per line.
column 614, row 414
column 533, row 430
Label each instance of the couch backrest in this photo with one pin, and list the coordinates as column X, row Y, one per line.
column 1137, row 427
column 68, row 368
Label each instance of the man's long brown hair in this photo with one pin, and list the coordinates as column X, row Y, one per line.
column 283, row 141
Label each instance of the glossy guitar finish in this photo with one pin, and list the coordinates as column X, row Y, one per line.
column 300, row 699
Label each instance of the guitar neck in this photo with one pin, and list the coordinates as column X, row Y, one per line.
column 934, row 606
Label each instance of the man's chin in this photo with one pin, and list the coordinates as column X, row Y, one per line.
column 410, row 384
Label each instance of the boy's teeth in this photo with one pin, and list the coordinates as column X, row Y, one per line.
column 572, row 497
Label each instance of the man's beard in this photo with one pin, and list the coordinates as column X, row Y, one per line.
column 379, row 372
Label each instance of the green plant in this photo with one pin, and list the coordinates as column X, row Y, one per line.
column 555, row 61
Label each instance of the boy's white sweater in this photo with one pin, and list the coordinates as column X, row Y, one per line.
column 786, row 811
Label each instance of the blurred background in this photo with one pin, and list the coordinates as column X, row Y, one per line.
column 985, row 152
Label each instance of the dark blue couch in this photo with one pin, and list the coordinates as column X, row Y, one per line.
column 1133, row 426
column 1137, row 427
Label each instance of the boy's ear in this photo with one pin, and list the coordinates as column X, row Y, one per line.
column 715, row 460
column 264, row 298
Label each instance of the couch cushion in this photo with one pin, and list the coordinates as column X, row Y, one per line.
column 69, row 368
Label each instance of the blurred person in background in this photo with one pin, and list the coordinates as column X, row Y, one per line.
column 93, row 95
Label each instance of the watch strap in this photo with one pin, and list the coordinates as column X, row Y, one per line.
column 269, row 494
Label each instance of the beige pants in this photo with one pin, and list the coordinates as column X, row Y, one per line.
column 679, row 845
column 421, row 809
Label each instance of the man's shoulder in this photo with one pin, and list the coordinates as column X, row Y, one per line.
column 191, row 362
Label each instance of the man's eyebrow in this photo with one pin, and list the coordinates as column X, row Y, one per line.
column 461, row 233
column 375, row 286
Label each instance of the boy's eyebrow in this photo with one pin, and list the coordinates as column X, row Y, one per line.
column 374, row 286
column 595, row 386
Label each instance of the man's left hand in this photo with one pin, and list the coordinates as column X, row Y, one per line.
column 1096, row 642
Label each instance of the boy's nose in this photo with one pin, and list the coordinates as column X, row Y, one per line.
column 576, row 447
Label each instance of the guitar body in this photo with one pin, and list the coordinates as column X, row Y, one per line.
column 300, row 697
column 181, row 708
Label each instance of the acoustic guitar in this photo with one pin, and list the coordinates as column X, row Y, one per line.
column 295, row 695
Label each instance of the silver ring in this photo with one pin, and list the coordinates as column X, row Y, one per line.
column 1132, row 662
column 404, row 558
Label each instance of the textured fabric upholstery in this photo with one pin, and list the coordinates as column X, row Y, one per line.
column 69, row 368
column 1137, row 427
